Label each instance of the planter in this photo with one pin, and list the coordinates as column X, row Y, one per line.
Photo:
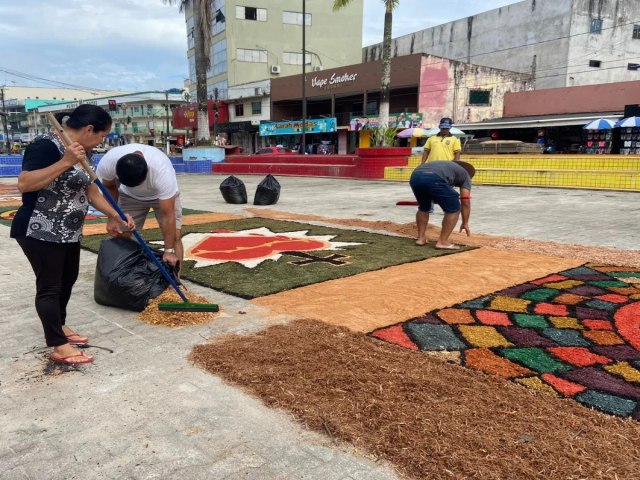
column 370, row 162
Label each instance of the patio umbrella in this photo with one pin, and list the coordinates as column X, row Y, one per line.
column 456, row 132
column 629, row 122
column 412, row 132
column 599, row 124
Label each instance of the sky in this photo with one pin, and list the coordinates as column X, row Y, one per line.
column 139, row 45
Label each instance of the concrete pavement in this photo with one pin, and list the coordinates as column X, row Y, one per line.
column 145, row 412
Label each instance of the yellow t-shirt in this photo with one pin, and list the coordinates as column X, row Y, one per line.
column 442, row 148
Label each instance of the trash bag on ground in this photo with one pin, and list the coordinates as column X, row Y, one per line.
column 125, row 275
column 233, row 190
column 268, row 191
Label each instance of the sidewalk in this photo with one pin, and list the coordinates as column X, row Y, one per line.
column 145, row 412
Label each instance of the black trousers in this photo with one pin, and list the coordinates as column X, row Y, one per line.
column 56, row 266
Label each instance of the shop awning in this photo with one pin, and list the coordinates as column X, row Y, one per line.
column 539, row 121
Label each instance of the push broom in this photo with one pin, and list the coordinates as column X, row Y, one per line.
column 186, row 305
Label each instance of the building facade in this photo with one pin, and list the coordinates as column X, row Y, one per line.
column 423, row 89
column 254, row 42
column 143, row 117
column 561, row 43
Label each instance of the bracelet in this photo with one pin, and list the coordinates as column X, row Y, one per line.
column 170, row 250
column 465, row 198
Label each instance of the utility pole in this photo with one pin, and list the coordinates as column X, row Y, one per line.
column 304, row 80
column 5, row 118
column 215, row 116
column 166, row 107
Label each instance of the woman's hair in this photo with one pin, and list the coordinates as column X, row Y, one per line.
column 131, row 169
column 85, row 115
column 467, row 166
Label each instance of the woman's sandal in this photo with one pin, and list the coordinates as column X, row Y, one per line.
column 77, row 339
column 75, row 359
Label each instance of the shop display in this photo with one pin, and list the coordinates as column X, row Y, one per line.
column 599, row 141
column 630, row 141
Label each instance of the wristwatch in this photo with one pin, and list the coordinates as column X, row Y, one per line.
column 170, row 250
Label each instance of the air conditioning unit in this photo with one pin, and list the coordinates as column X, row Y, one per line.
column 317, row 68
column 259, row 91
column 275, row 68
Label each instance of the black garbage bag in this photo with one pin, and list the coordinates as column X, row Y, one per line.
column 125, row 275
column 268, row 191
column 233, row 190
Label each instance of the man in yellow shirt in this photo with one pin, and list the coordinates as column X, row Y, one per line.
column 442, row 146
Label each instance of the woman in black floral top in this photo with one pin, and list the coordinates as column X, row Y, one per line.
column 56, row 193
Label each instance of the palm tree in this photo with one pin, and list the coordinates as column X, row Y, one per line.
column 202, row 24
column 390, row 5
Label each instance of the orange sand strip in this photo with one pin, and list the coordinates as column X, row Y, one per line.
column 195, row 219
column 372, row 300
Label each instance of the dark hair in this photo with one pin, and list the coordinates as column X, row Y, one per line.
column 84, row 115
column 471, row 170
column 131, row 169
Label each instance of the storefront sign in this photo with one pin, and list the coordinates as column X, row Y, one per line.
column 401, row 120
column 336, row 80
column 317, row 125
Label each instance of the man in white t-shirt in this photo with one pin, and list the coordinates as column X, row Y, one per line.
column 141, row 177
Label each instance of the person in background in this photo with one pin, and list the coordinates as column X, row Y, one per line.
column 56, row 194
column 141, row 177
column 442, row 146
column 434, row 182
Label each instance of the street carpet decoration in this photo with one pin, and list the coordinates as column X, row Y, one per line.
column 574, row 334
column 10, row 196
column 92, row 217
column 254, row 257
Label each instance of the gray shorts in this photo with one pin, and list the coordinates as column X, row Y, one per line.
column 139, row 209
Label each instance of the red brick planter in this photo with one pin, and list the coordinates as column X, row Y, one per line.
column 370, row 162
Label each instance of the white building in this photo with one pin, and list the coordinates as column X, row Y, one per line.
column 560, row 42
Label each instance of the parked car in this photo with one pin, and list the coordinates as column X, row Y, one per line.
column 100, row 149
column 274, row 151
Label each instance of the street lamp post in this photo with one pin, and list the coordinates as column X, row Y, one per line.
column 304, row 80
column 166, row 106
column 5, row 118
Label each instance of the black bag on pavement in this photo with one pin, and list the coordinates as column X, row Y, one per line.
column 233, row 190
column 125, row 275
column 268, row 191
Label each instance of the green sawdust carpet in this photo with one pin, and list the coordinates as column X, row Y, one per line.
column 92, row 216
column 254, row 257
column 574, row 334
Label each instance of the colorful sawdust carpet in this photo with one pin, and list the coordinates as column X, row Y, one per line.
column 254, row 257
column 574, row 334
column 93, row 216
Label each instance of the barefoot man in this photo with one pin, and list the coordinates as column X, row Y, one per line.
column 433, row 182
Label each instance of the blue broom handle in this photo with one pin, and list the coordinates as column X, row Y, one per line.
column 114, row 204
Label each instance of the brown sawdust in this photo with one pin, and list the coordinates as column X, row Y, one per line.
column 153, row 316
column 611, row 256
column 429, row 418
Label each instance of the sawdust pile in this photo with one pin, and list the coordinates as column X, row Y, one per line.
column 610, row 256
column 153, row 316
column 429, row 418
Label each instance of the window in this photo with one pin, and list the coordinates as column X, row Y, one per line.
column 595, row 63
column 256, row 108
column 219, row 57
column 596, row 25
column 222, row 90
column 636, row 31
column 218, row 24
column 190, row 35
column 251, row 13
column 256, row 56
column 292, row 58
column 479, row 97
column 239, row 109
column 295, row 18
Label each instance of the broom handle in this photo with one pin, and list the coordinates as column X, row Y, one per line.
column 116, row 207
